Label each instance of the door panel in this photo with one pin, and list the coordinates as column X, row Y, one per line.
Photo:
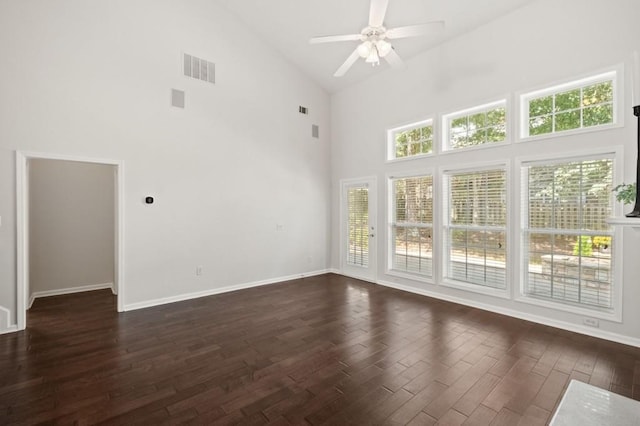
column 358, row 239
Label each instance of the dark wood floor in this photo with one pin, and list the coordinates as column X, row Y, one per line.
column 322, row 350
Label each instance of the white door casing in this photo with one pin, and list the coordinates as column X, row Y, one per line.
column 22, row 223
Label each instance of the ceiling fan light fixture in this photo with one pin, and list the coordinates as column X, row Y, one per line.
column 372, row 40
column 373, row 58
column 364, row 49
column 383, row 47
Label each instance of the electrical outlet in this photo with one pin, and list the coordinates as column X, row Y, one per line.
column 591, row 322
column 198, row 270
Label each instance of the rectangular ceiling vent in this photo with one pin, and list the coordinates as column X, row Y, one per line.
column 200, row 69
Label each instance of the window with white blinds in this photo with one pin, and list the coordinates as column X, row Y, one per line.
column 475, row 228
column 412, row 225
column 567, row 244
column 358, row 224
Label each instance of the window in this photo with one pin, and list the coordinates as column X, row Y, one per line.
column 411, row 225
column 358, row 211
column 410, row 141
column 476, row 126
column 567, row 244
column 580, row 104
column 475, row 230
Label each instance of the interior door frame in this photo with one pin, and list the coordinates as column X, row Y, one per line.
column 22, row 225
column 371, row 183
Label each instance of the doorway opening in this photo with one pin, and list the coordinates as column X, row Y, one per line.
column 94, row 204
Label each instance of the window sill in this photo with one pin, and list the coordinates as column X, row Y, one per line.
column 612, row 315
column 632, row 222
column 477, row 288
column 409, row 276
column 409, row 158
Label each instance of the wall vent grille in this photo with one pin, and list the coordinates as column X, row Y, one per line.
column 177, row 98
column 199, row 68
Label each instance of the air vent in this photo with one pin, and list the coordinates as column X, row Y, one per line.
column 315, row 131
column 303, row 110
column 199, row 69
column 177, row 98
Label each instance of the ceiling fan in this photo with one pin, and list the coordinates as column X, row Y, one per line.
column 373, row 39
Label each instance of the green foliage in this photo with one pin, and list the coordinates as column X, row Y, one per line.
column 582, row 107
column 541, row 106
column 597, row 93
column 414, row 142
column 567, row 120
column 479, row 128
column 625, row 193
column 602, row 242
column 583, row 246
column 567, row 101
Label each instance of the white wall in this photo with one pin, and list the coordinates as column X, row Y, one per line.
column 71, row 225
column 93, row 79
column 539, row 45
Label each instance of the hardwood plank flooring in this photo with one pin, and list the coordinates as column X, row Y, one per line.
column 320, row 350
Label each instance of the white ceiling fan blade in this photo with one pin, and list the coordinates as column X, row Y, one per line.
column 394, row 60
column 377, row 12
column 332, row 38
column 347, row 64
column 415, row 30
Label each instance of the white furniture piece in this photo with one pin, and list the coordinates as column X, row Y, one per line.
column 587, row 405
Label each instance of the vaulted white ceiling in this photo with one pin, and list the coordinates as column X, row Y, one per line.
column 287, row 25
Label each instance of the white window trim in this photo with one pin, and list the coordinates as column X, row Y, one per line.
column 389, row 219
column 444, row 223
column 615, row 313
column 615, row 73
column 391, row 145
column 445, row 148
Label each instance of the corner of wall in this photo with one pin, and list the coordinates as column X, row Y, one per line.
column 5, row 326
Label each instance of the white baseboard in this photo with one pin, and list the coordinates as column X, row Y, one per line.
column 589, row 331
column 5, row 321
column 10, row 329
column 214, row 291
column 47, row 293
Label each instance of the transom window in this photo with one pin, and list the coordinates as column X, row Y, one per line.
column 481, row 125
column 412, row 225
column 581, row 104
column 409, row 141
column 475, row 229
column 567, row 243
